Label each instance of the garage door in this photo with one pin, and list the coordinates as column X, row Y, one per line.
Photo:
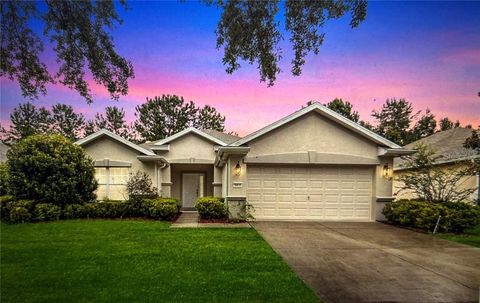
column 310, row 193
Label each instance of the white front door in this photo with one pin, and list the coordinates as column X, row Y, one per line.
column 192, row 188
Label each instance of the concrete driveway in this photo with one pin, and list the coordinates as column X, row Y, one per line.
column 374, row 262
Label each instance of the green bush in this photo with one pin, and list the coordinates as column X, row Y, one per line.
column 461, row 216
column 455, row 216
column 74, row 211
column 51, row 169
column 211, row 208
column 107, row 210
column 4, row 179
column 4, row 212
column 162, row 208
column 18, row 214
column 46, row 212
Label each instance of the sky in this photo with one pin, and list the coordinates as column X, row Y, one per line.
column 425, row 52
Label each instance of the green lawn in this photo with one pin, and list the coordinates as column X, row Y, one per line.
column 141, row 261
column 470, row 237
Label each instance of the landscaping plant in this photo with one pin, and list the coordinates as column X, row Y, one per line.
column 211, row 208
column 433, row 183
column 51, row 169
column 454, row 216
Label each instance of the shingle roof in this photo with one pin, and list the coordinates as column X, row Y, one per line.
column 447, row 144
column 227, row 138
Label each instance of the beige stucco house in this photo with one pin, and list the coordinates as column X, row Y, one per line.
column 311, row 165
column 451, row 156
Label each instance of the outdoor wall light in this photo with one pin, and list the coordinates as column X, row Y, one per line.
column 387, row 172
column 237, row 170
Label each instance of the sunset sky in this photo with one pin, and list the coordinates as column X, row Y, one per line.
column 426, row 52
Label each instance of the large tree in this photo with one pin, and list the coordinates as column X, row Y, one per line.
column 250, row 31
column 394, row 119
column 446, row 124
column 424, row 127
column 113, row 120
column 209, row 118
column 65, row 121
column 344, row 108
column 79, row 32
column 27, row 120
column 473, row 142
column 164, row 116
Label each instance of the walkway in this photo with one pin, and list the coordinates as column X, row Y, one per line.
column 190, row 219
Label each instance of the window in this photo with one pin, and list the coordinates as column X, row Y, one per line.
column 111, row 182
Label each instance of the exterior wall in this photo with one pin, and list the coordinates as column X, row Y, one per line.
column 107, row 148
column 176, row 177
column 382, row 188
column 191, row 149
column 313, row 132
column 465, row 183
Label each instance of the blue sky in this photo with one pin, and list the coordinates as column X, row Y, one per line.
column 426, row 52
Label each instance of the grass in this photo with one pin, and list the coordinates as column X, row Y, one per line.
column 141, row 261
column 470, row 237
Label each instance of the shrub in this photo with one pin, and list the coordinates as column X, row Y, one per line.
column 139, row 187
column 456, row 216
column 108, row 210
column 4, row 202
column 211, row 208
column 461, row 216
column 51, row 169
column 4, row 179
column 46, row 212
column 163, row 208
column 74, row 211
column 19, row 214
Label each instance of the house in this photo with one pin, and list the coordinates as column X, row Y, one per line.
column 448, row 147
column 311, row 165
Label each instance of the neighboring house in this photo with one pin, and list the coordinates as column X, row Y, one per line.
column 311, row 165
column 448, row 146
column 3, row 151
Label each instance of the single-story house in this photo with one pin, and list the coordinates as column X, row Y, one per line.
column 314, row 164
column 448, row 147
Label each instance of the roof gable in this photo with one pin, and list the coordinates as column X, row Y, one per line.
column 189, row 131
column 104, row 132
column 326, row 112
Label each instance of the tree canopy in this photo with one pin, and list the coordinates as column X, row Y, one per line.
column 164, row 116
column 79, row 33
column 250, row 31
column 344, row 108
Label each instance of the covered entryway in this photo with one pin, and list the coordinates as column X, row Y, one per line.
column 310, row 192
column 191, row 181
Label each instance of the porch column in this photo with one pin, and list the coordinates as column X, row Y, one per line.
column 382, row 188
column 166, row 182
column 217, row 181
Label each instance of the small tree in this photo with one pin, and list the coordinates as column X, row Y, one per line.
column 51, row 169
column 139, row 185
column 432, row 182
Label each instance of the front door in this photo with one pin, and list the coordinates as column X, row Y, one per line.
column 192, row 188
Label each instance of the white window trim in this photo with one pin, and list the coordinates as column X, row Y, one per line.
column 107, row 178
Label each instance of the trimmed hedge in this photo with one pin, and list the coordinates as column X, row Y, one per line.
column 211, row 208
column 162, row 208
column 455, row 216
column 46, row 212
column 25, row 210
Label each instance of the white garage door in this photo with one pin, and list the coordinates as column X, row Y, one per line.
column 310, row 193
